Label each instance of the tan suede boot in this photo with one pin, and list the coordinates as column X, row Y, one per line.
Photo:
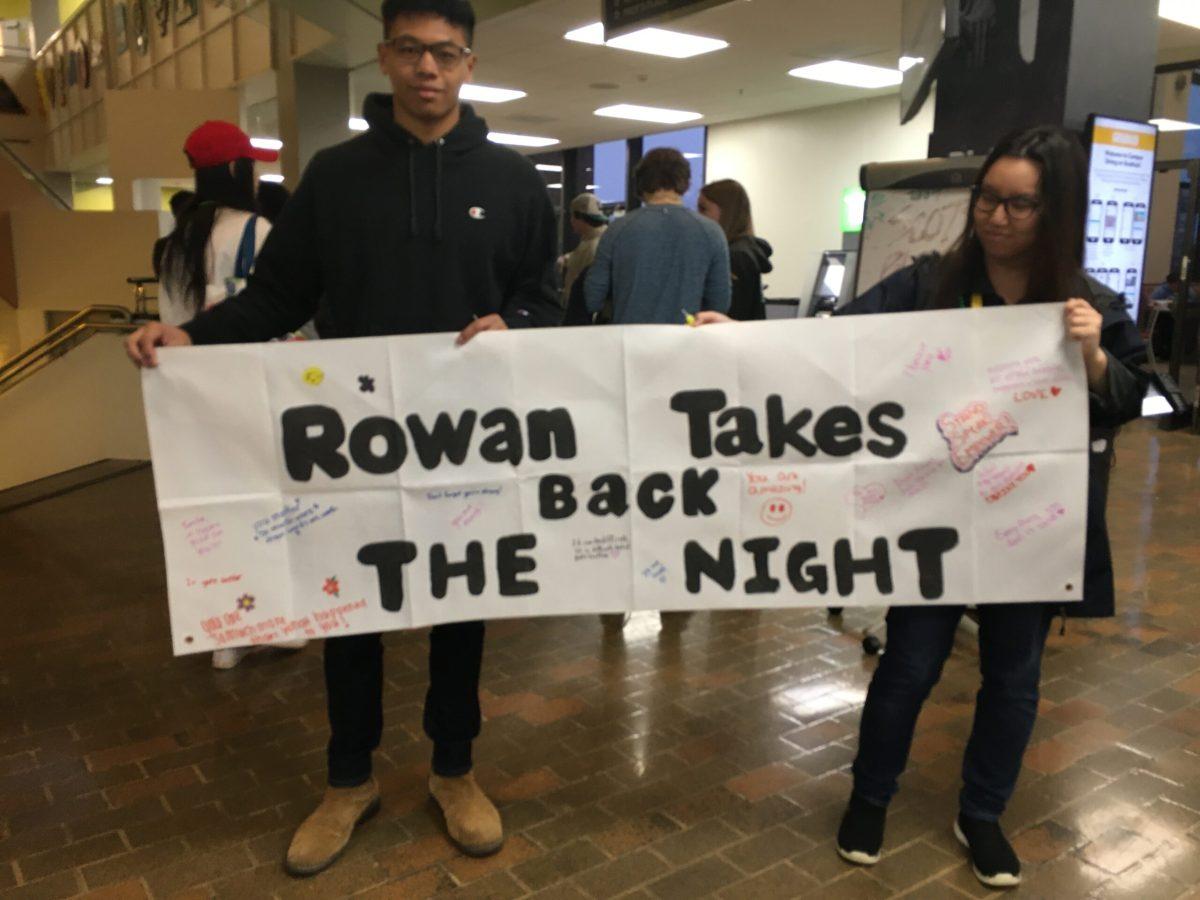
column 322, row 837
column 472, row 822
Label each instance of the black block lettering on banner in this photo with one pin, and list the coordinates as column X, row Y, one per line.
column 389, row 559
column 847, row 566
column 441, row 570
column 895, row 439
column 652, row 506
column 839, row 432
column 302, row 450
column 556, row 497
column 743, row 437
column 930, row 544
column 505, row 445
column 445, row 440
column 610, row 496
column 696, row 501
column 510, row 564
column 698, row 562
column 783, row 432
column 806, row 578
column 761, row 549
column 698, row 406
column 395, row 446
column 551, row 433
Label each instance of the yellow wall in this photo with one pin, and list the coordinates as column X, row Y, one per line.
column 94, row 199
column 83, row 407
column 69, row 260
column 67, row 7
column 147, row 129
column 14, row 9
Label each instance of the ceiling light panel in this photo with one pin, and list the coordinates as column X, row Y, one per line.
column 520, row 140
column 654, row 41
column 1174, row 125
column 648, row 114
column 481, row 93
column 850, row 74
column 1185, row 12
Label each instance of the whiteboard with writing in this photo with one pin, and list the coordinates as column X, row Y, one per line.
column 899, row 226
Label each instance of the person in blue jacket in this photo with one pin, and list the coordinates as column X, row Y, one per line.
column 1023, row 243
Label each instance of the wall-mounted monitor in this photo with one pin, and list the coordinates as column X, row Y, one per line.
column 927, row 30
column 1120, row 184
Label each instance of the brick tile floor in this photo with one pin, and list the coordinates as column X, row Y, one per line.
column 653, row 766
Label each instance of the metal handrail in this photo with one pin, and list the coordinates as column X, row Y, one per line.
column 81, row 332
column 29, row 174
column 54, row 339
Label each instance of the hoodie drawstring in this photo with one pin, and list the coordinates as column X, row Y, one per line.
column 413, row 224
column 437, row 191
column 412, row 190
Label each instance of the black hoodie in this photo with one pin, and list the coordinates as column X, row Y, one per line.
column 749, row 261
column 390, row 236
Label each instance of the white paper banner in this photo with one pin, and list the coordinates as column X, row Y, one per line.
column 312, row 489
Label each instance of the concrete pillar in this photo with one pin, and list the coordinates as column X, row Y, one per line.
column 45, row 21
column 147, row 194
column 323, row 103
column 313, row 102
column 1091, row 56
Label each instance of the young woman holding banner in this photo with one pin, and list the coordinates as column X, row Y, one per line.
column 1023, row 243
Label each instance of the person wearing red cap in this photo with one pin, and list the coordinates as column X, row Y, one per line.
column 419, row 225
column 219, row 233
column 211, row 251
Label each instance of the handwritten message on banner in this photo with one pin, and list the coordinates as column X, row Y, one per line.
column 316, row 489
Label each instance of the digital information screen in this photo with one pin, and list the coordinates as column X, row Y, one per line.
column 1120, row 182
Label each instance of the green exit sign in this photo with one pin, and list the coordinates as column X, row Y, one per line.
column 854, row 205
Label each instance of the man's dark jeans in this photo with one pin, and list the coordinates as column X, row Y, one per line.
column 354, row 691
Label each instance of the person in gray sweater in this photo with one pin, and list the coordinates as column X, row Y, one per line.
column 663, row 261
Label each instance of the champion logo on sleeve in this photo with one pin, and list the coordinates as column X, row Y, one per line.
column 478, row 213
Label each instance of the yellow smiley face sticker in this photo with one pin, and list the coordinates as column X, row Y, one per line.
column 314, row 376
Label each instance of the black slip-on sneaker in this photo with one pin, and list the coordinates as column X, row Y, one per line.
column 860, row 837
column 992, row 856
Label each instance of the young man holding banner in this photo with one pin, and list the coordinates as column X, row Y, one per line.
column 420, row 225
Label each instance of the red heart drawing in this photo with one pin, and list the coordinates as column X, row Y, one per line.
column 1031, row 468
column 1055, row 391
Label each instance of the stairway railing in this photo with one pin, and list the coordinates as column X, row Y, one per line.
column 59, row 340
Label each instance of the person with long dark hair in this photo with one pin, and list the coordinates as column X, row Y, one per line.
column 208, row 257
column 727, row 203
column 1023, row 243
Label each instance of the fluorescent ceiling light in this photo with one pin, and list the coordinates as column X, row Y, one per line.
column 907, row 62
column 1185, row 12
column 1174, row 125
column 357, row 124
column 520, row 140
column 481, row 93
column 105, row 181
column 546, row 167
column 655, row 41
column 274, row 179
column 554, row 187
column 588, row 34
column 837, row 71
column 266, row 143
column 593, row 187
column 648, row 114
column 693, row 156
